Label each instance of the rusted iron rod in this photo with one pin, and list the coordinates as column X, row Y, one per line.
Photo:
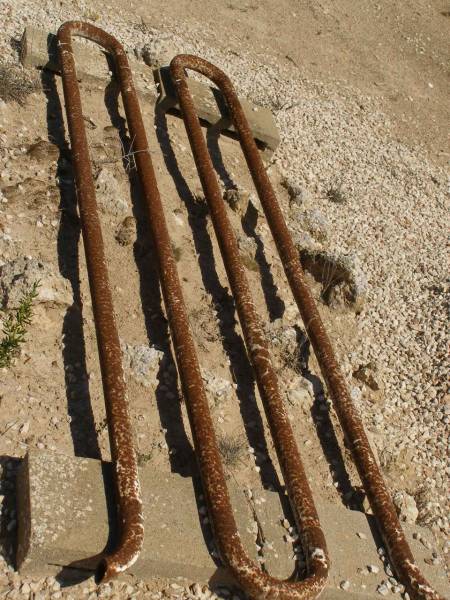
column 375, row 487
column 128, row 496
column 254, row 581
column 257, row 583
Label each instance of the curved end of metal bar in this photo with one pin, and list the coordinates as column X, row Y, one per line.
column 118, row 561
column 108, row 568
column 126, row 480
column 181, row 62
column 90, row 32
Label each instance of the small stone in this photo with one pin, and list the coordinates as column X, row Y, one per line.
column 142, row 361
column 383, row 589
column 159, row 49
column 388, row 570
column 196, row 589
column 344, row 585
column 361, row 535
column 218, row 390
column 247, row 249
column 42, row 149
column 311, row 221
column 298, row 193
column 373, row 569
column 109, row 194
column 18, row 276
column 299, row 397
column 25, row 589
column 25, row 428
column 126, row 232
column 406, row 507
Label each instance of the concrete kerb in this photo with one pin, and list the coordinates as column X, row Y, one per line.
column 38, row 50
column 66, row 515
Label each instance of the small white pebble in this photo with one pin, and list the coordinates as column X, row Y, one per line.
column 383, row 590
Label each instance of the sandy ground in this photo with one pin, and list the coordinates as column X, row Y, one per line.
column 360, row 96
column 390, row 51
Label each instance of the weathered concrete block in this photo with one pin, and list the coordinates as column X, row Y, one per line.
column 66, row 516
column 39, row 50
column 211, row 107
column 351, row 545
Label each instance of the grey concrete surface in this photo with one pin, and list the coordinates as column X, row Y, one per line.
column 66, row 517
column 39, row 50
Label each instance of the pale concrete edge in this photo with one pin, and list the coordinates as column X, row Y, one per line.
column 36, row 57
column 32, row 54
column 23, row 500
column 267, row 136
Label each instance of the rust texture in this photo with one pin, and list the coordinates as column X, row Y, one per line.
column 351, row 423
column 128, row 496
column 256, row 583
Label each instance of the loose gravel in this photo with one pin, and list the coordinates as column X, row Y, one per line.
column 390, row 215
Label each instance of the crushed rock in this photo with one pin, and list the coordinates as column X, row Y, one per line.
column 393, row 225
column 311, row 221
column 142, row 361
column 126, row 231
column 18, row 276
column 406, row 507
column 218, row 390
column 109, row 194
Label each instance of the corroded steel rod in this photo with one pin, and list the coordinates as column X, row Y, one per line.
column 128, row 496
column 257, row 583
column 377, row 492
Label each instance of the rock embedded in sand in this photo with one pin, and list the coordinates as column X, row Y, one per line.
column 109, row 194
column 126, row 232
column 406, row 507
column 18, row 276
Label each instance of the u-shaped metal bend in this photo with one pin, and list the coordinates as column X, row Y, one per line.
column 255, row 582
column 127, row 489
column 380, row 500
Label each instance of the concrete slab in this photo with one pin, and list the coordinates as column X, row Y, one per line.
column 211, row 107
column 353, row 543
column 39, row 50
column 66, row 516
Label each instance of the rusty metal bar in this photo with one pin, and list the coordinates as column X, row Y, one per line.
column 128, row 495
column 255, row 582
column 351, row 423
